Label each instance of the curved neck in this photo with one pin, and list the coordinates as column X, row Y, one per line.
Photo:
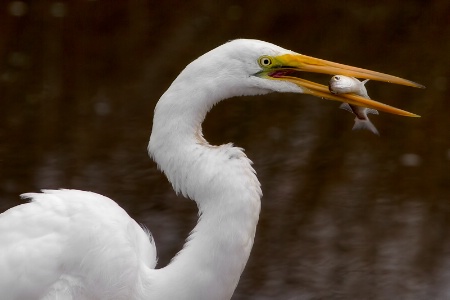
column 222, row 182
column 212, row 260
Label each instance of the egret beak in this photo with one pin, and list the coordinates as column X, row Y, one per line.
column 286, row 67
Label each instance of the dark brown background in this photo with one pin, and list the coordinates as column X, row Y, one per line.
column 345, row 215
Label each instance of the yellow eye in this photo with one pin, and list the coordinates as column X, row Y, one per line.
column 265, row 61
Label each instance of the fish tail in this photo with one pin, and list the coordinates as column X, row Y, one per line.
column 365, row 124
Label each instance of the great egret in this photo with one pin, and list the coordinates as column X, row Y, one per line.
column 70, row 244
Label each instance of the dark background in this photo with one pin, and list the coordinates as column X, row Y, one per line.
column 345, row 214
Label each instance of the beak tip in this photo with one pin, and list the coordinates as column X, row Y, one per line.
column 418, row 85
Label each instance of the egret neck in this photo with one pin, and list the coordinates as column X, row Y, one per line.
column 220, row 179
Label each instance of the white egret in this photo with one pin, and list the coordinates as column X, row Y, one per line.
column 70, row 244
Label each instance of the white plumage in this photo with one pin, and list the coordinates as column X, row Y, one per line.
column 69, row 244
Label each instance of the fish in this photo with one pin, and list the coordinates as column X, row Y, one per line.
column 340, row 84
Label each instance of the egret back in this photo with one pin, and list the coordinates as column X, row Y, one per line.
column 70, row 244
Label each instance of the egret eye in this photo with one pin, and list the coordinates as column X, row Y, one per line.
column 265, row 61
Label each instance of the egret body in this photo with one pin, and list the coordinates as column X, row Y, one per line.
column 70, row 244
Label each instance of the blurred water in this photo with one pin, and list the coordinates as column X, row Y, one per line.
column 346, row 215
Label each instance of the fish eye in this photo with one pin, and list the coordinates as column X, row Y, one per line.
column 265, row 61
column 337, row 77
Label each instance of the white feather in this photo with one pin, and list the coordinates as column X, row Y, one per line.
column 68, row 244
column 55, row 244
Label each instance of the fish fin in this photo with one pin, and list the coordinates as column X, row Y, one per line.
column 365, row 124
column 372, row 111
column 346, row 106
column 364, row 81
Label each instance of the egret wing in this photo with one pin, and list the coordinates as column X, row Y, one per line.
column 70, row 244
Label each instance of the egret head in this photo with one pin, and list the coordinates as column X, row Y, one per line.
column 256, row 67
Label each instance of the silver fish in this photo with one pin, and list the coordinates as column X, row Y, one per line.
column 340, row 84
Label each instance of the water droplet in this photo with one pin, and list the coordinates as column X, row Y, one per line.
column 410, row 160
column 58, row 9
column 17, row 8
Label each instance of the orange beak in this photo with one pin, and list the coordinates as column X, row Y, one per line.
column 285, row 66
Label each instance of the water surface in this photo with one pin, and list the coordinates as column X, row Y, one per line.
column 345, row 215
